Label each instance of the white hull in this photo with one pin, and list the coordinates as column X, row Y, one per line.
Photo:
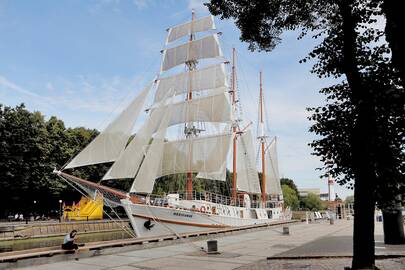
column 175, row 220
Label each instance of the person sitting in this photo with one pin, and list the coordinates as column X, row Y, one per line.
column 69, row 243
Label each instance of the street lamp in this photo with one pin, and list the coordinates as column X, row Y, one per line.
column 35, row 208
column 60, row 211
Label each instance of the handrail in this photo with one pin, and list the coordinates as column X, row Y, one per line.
column 163, row 200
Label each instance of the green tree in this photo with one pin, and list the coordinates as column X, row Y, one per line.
column 30, row 148
column 313, row 202
column 349, row 199
column 22, row 162
column 361, row 133
column 290, row 183
column 290, row 197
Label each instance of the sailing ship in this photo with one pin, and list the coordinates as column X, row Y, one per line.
column 201, row 105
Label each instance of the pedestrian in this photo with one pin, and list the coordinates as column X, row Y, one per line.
column 69, row 243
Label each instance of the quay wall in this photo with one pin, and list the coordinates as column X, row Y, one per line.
column 16, row 231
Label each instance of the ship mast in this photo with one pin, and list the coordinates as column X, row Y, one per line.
column 262, row 140
column 233, row 91
column 190, row 129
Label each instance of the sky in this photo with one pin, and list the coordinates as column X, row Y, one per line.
column 83, row 61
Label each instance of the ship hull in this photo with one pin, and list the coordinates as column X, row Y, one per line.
column 149, row 220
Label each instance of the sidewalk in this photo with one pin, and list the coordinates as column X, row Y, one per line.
column 321, row 264
column 246, row 251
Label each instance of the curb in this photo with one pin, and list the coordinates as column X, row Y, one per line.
column 309, row 257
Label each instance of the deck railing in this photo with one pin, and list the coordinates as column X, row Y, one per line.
column 159, row 200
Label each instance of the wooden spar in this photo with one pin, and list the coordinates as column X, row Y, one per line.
column 262, row 144
column 233, row 91
column 118, row 193
column 190, row 66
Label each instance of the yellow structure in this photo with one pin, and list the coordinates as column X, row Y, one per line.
column 85, row 209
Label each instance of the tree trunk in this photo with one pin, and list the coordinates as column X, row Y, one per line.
column 361, row 144
column 363, row 230
column 393, row 225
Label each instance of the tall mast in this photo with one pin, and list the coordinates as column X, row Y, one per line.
column 190, row 129
column 262, row 139
column 233, row 91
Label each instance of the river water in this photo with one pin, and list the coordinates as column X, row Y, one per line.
column 22, row 244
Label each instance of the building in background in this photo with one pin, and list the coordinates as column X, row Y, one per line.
column 303, row 192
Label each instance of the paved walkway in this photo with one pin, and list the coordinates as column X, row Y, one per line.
column 245, row 251
column 321, row 264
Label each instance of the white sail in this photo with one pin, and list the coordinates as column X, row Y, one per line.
column 211, row 77
column 208, row 109
column 246, row 171
column 108, row 145
column 215, row 108
column 220, row 175
column 207, row 47
column 129, row 161
column 273, row 186
column 151, row 165
column 199, row 25
column 200, row 154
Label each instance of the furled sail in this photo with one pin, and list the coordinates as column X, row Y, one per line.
column 273, row 186
column 246, row 171
column 199, row 25
column 151, row 165
column 108, row 145
column 211, row 77
column 207, row 47
column 201, row 154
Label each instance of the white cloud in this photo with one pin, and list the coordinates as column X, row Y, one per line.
column 142, row 4
column 101, row 4
column 7, row 84
column 49, row 86
column 87, row 95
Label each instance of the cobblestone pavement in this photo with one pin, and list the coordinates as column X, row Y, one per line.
column 320, row 264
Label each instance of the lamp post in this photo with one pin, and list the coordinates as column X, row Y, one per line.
column 35, row 209
column 60, row 211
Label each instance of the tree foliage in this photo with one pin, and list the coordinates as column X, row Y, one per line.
column 290, row 183
column 313, row 202
column 30, row 148
column 290, row 197
column 361, row 127
column 349, row 199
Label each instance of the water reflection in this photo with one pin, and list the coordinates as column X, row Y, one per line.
column 23, row 244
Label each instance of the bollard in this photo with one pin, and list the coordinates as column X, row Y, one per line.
column 212, row 247
column 306, row 217
column 286, row 230
column 332, row 220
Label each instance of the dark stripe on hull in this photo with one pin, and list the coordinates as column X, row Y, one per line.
column 182, row 222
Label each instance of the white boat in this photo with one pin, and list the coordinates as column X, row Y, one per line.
column 201, row 104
